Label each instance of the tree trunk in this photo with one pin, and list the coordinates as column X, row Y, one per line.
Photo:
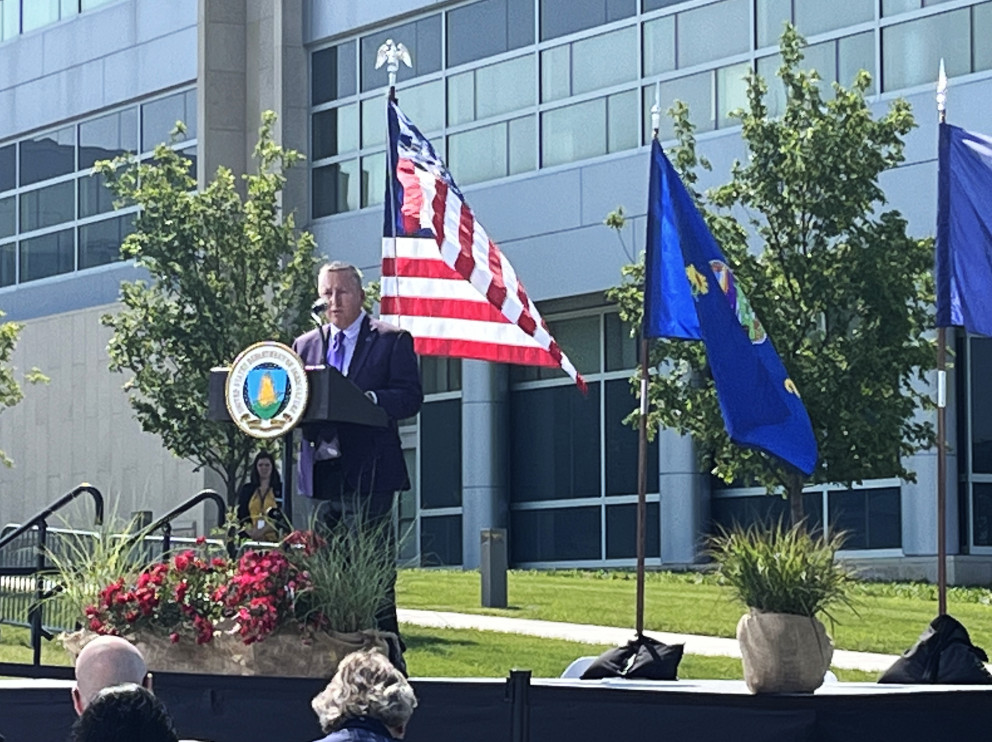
column 794, row 493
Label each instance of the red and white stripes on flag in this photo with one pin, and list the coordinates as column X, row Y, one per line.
column 455, row 291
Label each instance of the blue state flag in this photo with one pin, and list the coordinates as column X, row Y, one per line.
column 690, row 293
column 964, row 230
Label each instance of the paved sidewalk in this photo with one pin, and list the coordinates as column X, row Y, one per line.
column 713, row 646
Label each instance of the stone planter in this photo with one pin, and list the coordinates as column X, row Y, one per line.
column 285, row 652
column 783, row 653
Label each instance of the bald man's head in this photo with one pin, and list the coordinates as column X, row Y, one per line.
column 104, row 662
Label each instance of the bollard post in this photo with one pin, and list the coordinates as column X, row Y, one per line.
column 492, row 563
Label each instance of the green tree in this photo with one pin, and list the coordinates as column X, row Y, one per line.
column 844, row 293
column 223, row 272
column 10, row 389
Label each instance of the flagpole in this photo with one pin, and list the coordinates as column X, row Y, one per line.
column 941, row 410
column 642, row 442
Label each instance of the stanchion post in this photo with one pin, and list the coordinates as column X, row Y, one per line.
column 518, row 694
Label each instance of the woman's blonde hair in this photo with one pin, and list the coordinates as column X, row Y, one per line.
column 366, row 684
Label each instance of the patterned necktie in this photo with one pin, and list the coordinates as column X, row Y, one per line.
column 336, row 354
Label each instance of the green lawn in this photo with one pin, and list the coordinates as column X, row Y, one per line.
column 889, row 618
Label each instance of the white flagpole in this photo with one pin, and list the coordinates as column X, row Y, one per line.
column 942, row 409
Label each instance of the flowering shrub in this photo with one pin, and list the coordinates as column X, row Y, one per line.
column 310, row 583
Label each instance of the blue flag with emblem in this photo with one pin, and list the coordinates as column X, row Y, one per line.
column 690, row 293
column 964, row 230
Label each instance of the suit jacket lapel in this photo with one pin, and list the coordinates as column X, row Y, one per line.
column 362, row 346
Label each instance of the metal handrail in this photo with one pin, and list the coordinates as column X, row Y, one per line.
column 165, row 522
column 40, row 521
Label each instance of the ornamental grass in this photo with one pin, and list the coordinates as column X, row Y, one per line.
column 776, row 569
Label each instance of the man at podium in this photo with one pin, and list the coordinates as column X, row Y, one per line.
column 346, row 469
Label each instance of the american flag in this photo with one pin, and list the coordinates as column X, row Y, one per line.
column 443, row 279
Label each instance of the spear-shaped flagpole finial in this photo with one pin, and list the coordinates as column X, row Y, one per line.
column 391, row 55
column 656, row 111
column 942, row 92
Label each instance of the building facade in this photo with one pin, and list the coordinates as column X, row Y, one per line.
column 541, row 109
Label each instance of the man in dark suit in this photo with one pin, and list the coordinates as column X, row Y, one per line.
column 355, row 470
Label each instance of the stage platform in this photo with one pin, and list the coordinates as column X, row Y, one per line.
column 243, row 709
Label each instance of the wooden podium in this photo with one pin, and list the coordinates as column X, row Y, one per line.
column 332, row 398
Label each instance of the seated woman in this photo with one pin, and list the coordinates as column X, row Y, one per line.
column 368, row 700
column 124, row 713
column 257, row 496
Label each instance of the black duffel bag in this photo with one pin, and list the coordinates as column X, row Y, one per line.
column 943, row 654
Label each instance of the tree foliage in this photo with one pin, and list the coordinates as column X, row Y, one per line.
column 224, row 271
column 844, row 293
column 10, row 389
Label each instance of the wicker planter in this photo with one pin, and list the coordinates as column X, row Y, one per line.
column 783, row 653
column 284, row 653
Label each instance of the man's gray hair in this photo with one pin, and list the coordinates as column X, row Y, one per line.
column 366, row 684
column 336, row 266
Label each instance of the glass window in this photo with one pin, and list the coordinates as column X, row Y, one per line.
column 816, row 16
column 374, row 179
column 333, row 73
column 48, row 255
column 621, row 531
column 622, row 442
column 713, row 31
column 763, row 509
column 441, row 541
column 108, row 137
column 560, row 17
column 335, row 188
column 621, row 121
column 441, row 454
column 981, row 32
column 912, row 51
column 870, row 518
column 523, row 145
column 555, row 535
column 335, row 132
column 621, row 349
column 556, row 73
column 8, row 216
column 374, row 121
column 94, row 196
column 655, row 4
column 659, row 45
column 38, row 13
column 91, row 4
column 488, row 27
column 695, row 90
column 602, row 61
column 823, row 59
column 424, row 105
column 8, row 167
column 421, row 38
column 159, row 117
column 731, row 92
column 559, row 428
column 100, row 243
column 479, row 154
column 48, row 155
column 771, row 17
column 8, row 264
column 775, row 99
column 981, row 505
column 10, row 16
column 980, row 351
column 892, row 7
column 440, row 374
column 501, row 88
column 573, row 132
column 491, row 91
column 46, row 207
column 856, row 53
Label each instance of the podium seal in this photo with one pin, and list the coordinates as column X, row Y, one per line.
column 266, row 390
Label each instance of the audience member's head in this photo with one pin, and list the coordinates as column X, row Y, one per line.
column 104, row 662
column 124, row 713
column 366, row 685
